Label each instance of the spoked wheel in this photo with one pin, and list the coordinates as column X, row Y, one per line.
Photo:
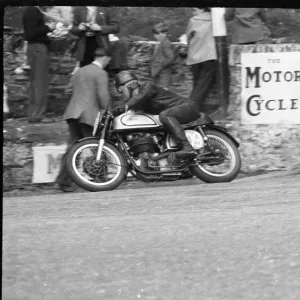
column 92, row 175
column 221, row 166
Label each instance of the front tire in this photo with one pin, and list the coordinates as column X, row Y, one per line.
column 220, row 141
column 92, row 176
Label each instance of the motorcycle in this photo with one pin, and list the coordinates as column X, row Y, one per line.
column 137, row 143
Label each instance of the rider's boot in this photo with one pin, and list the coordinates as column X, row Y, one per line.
column 186, row 151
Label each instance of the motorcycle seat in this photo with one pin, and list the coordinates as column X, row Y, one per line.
column 202, row 120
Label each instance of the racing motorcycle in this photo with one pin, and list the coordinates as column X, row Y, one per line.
column 137, row 143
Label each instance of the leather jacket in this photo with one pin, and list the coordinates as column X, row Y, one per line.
column 153, row 99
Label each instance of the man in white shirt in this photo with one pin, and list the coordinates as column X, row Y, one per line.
column 202, row 54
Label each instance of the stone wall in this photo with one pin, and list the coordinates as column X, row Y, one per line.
column 263, row 147
column 62, row 63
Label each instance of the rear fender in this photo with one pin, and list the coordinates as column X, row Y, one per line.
column 224, row 131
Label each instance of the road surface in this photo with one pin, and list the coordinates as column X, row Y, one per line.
column 239, row 240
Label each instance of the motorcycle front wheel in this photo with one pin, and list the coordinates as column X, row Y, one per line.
column 92, row 175
column 223, row 167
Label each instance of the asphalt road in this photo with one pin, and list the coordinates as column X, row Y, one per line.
column 239, row 240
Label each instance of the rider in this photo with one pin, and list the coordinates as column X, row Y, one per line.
column 172, row 109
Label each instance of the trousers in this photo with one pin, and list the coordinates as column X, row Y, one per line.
column 77, row 131
column 203, row 76
column 89, row 53
column 172, row 117
column 38, row 60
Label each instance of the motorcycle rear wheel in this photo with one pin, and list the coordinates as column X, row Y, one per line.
column 95, row 176
column 211, row 172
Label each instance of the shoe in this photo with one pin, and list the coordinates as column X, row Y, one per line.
column 174, row 160
column 173, row 126
column 186, row 175
column 186, row 152
column 66, row 188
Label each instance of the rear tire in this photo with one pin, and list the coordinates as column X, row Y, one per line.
column 209, row 177
column 89, row 184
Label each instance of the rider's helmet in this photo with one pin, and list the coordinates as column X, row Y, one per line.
column 124, row 77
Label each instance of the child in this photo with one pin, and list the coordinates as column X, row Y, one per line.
column 163, row 57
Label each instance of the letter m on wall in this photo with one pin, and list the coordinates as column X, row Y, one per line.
column 46, row 162
column 253, row 75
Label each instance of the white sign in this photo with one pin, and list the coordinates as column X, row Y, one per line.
column 46, row 163
column 271, row 88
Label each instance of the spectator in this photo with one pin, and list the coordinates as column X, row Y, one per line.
column 101, row 24
column 202, row 54
column 63, row 15
column 90, row 95
column 163, row 57
column 35, row 32
column 248, row 24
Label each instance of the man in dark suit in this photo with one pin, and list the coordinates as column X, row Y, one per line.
column 35, row 33
column 101, row 23
column 90, row 95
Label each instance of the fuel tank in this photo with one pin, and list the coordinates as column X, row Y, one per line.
column 134, row 120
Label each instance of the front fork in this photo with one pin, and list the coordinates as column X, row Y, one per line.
column 102, row 139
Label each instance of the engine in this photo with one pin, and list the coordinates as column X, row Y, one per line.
column 143, row 147
column 141, row 143
column 154, row 151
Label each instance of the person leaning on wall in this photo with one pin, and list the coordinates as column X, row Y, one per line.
column 202, row 54
column 248, row 25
